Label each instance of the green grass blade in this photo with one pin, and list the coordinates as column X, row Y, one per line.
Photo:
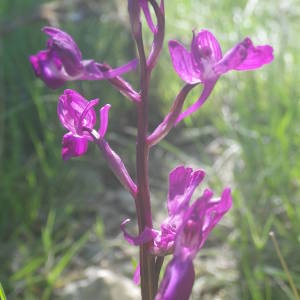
column 65, row 260
column 2, row 295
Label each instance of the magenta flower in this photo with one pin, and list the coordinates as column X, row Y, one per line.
column 78, row 116
column 198, row 221
column 182, row 184
column 184, row 232
column 62, row 61
column 178, row 280
column 204, row 63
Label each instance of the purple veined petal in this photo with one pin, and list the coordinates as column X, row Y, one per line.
column 214, row 214
column 58, row 34
column 73, row 146
column 69, row 109
column 178, row 280
column 190, row 234
column 257, row 57
column 182, row 184
column 75, row 112
column 48, row 68
column 207, row 89
column 164, row 242
column 64, row 47
column 244, row 56
column 182, row 63
column 199, row 221
column 62, row 61
column 146, row 236
column 104, row 120
column 205, row 49
column 145, row 6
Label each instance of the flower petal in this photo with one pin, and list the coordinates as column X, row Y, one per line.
column 199, row 221
column 73, row 113
column 178, row 280
column 182, row 184
column 245, row 56
column 62, row 61
column 257, row 57
column 63, row 45
column 48, row 68
column 104, row 119
column 182, row 63
column 206, row 46
column 146, row 236
column 73, row 146
column 214, row 214
column 87, row 119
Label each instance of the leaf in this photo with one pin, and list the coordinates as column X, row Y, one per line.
column 2, row 295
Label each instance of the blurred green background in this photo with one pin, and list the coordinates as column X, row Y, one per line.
column 247, row 136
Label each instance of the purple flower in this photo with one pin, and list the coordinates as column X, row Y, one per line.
column 185, row 230
column 204, row 63
column 197, row 222
column 78, row 116
column 178, row 281
column 62, row 61
column 182, row 184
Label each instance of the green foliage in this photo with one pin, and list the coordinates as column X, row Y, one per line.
column 2, row 294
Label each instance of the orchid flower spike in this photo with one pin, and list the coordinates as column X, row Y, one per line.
column 78, row 116
column 204, row 63
column 62, row 61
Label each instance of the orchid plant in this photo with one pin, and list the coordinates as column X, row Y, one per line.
column 184, row 232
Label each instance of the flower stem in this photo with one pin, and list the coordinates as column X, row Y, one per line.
column 117, row 166
column 168, row 123
column 284, row 266
column 143, row 206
